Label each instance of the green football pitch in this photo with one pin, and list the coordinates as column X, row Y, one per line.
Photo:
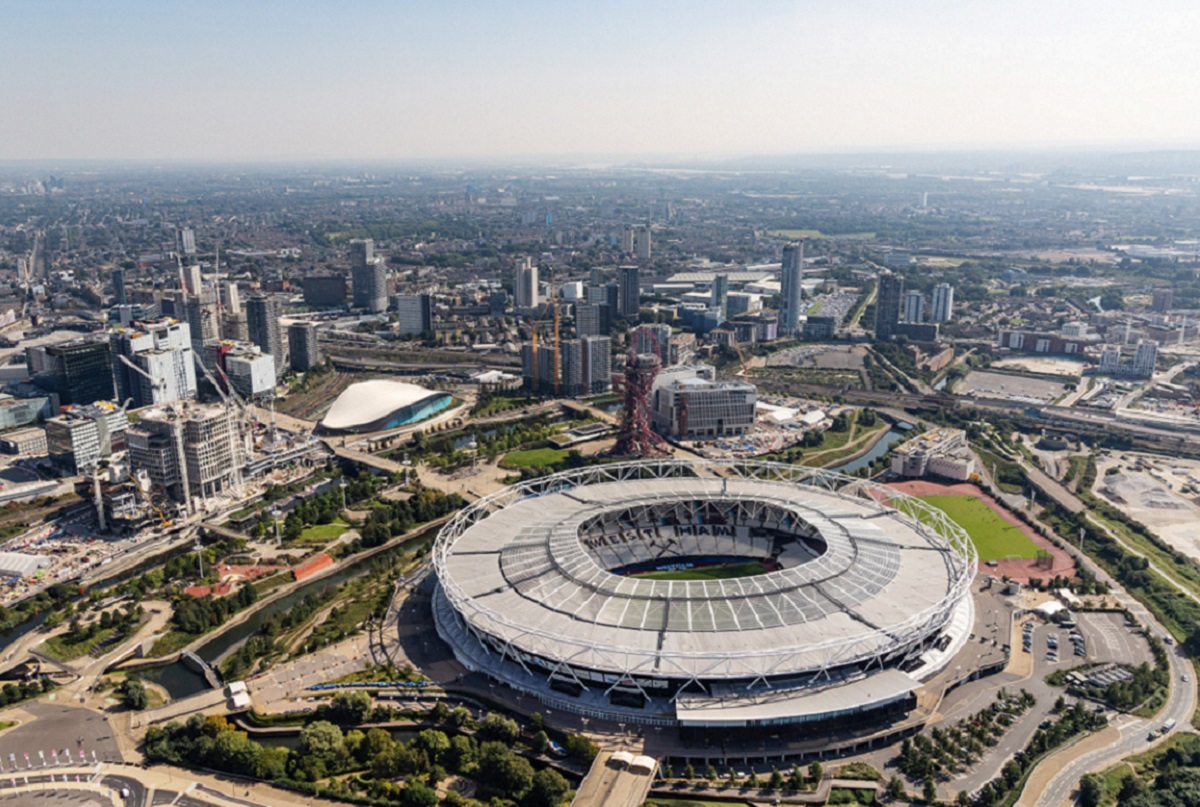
column 994, row 538
column 719, row 572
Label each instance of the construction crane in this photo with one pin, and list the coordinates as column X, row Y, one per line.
column 166, row 522
column 176, row 431
column 156, row 384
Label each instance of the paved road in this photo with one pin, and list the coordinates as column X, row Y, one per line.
column 1180, row 705
column 608, row 785
column 57, row 728
column 122, row 784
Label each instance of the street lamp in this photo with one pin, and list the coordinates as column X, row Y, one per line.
column 343, row 486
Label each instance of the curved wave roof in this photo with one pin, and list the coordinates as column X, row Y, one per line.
column 369, row 401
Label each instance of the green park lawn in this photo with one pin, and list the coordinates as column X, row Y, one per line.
column 994, row 538
column 721, row 572
column 533, row 458
column 323, row 533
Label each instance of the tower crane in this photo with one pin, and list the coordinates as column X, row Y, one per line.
column 157, row 384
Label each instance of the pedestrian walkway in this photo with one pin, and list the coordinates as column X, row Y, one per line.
column 284, row 688
column 184, row 707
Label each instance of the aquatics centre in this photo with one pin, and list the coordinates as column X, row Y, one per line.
column 380, row 404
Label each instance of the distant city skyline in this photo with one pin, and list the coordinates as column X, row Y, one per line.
column 374, row 80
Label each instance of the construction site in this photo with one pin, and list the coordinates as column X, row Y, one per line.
column 187, row 458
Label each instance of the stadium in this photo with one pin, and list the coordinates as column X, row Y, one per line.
column 706, row 595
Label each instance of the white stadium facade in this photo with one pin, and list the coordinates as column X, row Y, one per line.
column 862, row 594
column 380, row 404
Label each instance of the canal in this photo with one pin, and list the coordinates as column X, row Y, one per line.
column 890, row 438
column 228, row 640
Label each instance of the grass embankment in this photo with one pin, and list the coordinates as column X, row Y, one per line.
column 1174, row 565
column 533, row 458
column 61, row 647
column 723, row 571
column 501, row 404
column 825, row 457
column 993, row 537
column 1145, row 766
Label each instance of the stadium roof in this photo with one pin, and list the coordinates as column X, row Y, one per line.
column 870, row 691
column 525, row 575
column 368, row 401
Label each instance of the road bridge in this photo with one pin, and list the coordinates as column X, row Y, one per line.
column 609, row 784
column 372, row 461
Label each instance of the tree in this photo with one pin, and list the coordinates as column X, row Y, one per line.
column 549, row 789
column 434, row 743
column 461, row 754
column 133, row 693
column 351, row 706
column 895, row 788
column 322, row 740
column 1130, row 786
column 271, row 763
column 498, row 727
column 504, row 773
column 376, row 742
column 814, row 771
column 929, row 791
column 416, row 794
column 1091, row 790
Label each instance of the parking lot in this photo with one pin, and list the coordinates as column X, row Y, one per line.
column 1098, row 637
column 1010, row 387
column 1110, row 640
column 1061, row 645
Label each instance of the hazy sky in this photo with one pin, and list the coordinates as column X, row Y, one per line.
column 386, row 79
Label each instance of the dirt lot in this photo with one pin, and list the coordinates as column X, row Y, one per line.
column 1012, row 387
column 824, row 357
column 312, row 403
column 1042, row 364
column 1149, row 488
